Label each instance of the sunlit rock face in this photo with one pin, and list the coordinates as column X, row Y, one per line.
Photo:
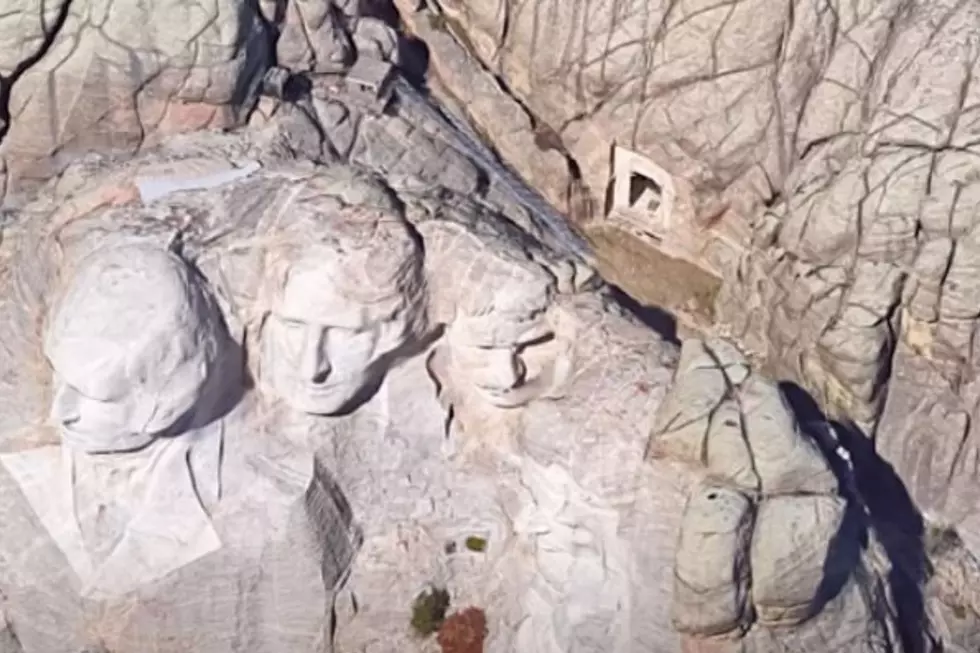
column 837, row 211
column 136, row 345
column 129, row 363
column 342, row 292
column 163, row 484
column 334, row 360
column 81, row 77
column 89, row 76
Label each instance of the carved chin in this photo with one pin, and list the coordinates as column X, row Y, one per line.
column 96, row 443
column 548, row 384
column 322, row 400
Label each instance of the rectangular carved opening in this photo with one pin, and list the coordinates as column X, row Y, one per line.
column 645, row 194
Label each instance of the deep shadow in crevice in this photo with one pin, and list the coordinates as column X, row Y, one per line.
column 892, row 514
column 900, row 528
column 413, row 61
column 257, row 60
column 383, row 10
column 843, row 559
column 296, row 88
column 413, row 53
column 654, row 317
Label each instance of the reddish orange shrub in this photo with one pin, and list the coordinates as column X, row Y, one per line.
column 463, row 632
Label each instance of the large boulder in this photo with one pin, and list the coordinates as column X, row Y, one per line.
column 711, row 589
column 776, row 547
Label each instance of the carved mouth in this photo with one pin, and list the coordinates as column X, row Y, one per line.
column 499, row 392
column 507, row 397
column 312, row 396
column 322, row 388
column 332, row 387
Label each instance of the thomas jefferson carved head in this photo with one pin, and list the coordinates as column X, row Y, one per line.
column 342, row 291
column 132, row 342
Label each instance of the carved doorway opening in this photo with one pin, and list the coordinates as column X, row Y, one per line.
column 641, row 193
column 645, row 194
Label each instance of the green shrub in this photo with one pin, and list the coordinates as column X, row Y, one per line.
column 477, row 544
column 429, row 610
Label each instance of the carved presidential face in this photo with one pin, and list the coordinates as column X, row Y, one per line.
column 497, row 304
column 131, row 344
column 321, row 347
column 503, row 339
column 509, row 359
column 342, row 290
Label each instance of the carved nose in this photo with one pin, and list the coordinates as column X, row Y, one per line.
column 64, row 407
column 508, row 370
column 321, row 376
column 317, row 368
column 316, row 363
column 518, row 371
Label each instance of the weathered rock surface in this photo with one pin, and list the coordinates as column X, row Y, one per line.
column 853, row 271
column 791, row 561
column 844, row 189
column 80, row 76
column 550, row 392
column 431, row 369
column 776, row 547
column 712, row 570
column 83, row 76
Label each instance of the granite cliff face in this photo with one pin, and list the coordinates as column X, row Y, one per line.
column 350, row 233
column 79, row 76
column 817, row 157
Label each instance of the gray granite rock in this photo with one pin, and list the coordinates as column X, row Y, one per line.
column 506, row 395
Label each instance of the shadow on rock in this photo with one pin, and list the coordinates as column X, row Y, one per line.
column 413, row 58
column 844, row 553
column 900, row 528
column 843, row 556
column 653, row 317
column 872, row 484
column 413, row 53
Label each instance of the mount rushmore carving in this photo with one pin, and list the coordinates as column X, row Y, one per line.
column 260, row 388
column 264, row 404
